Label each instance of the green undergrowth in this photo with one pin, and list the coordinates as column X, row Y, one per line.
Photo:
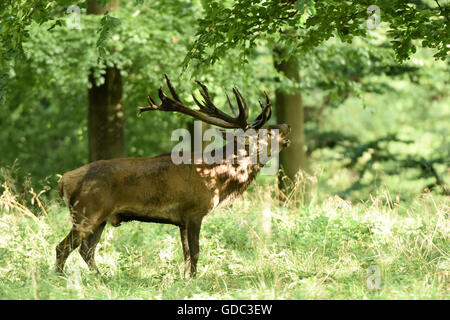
column 255, row 249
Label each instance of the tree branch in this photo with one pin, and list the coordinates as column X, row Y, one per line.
column 438, row 5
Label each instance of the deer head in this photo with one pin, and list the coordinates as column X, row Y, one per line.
column 209, row 113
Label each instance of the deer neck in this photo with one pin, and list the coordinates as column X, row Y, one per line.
column 234, row 177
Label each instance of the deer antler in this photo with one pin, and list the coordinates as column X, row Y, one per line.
column 265, row 114
column 208, row 112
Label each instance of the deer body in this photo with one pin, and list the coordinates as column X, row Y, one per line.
column 149, row 190
column 138, row 189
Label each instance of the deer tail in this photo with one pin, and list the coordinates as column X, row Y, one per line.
column 61, row 186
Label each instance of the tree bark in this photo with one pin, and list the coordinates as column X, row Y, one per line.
column 105, row 116
column 289, row 109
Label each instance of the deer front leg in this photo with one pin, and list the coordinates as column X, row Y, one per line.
column 186, row 253
column 193, row 234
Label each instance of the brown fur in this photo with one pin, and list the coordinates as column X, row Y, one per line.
column 149, row 190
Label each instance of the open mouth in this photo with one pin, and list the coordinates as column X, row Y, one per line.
column 286, row 143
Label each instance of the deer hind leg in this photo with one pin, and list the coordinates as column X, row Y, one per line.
column 186, row 253
column 63, row 250
column 82, row 229
column 88, row 245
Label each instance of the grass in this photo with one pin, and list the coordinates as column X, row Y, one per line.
column 255, row 249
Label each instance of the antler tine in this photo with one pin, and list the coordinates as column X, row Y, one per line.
column 260, row 120
column 231, row 105
column 162, row 95
column 242, row 105
column 267, row 101
column 150, row 101
column 152, row 106
column 265, row 114
column 268, row 104
column 172, row 90
column 207, row 104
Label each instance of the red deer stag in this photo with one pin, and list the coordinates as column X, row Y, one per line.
column 157, row 190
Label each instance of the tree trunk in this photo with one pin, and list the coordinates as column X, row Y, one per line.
column 105, row 116
column 289, row 109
